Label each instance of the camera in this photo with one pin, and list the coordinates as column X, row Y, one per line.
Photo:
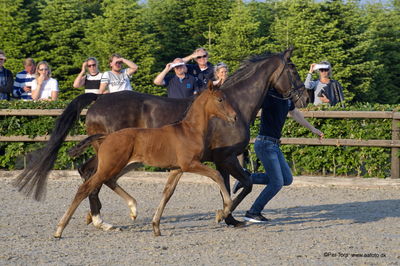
column 321, row 93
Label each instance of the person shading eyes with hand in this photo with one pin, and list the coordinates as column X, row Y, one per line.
column 324, row 90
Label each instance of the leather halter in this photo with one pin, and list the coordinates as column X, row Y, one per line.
column 294, row 90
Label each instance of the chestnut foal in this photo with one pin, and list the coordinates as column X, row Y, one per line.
column 177, row 146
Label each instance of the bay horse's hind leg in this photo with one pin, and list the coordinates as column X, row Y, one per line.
column 86, row 171
column 84, row 190
column 169, row 189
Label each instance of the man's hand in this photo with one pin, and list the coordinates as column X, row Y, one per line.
column 324, row 99
column 318, row 133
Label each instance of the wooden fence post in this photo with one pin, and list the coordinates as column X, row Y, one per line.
column 395, row 168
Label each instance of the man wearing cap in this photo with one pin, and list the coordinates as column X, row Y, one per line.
column 6, row 79
column 324, row 90
column 180, row 85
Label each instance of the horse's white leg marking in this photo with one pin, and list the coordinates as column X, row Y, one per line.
column 99, row 223
column 132, row 204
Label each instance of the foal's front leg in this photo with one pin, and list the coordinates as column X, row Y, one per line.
column 198, row 168
column 169, row 189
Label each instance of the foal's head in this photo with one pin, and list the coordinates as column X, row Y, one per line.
column 216, row 104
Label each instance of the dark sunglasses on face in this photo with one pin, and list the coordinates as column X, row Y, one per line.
column 43, row 69
column 323, row 70
column 201, row 56
column 93, row 65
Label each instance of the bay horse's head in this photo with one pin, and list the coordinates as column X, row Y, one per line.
column 287, row 80
column 216, row 103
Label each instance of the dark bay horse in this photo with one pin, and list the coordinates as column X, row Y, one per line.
column 245, row 90
column 179, row 146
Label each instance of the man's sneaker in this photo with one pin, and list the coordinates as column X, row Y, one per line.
column 255, row 218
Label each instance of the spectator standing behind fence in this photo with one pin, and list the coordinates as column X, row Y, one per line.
column 118, row 79
column 44, row 87
column 179, row 85
column 220, row 73
column 23, row 80
column 6, row 79
column 91, row 79
column 203, row 70
column 325, row 89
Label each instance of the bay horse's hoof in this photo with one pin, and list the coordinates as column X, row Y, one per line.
column 232, row 221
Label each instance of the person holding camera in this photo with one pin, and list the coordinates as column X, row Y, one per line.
column 325, row 89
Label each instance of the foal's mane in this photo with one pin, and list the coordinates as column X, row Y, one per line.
column 247, row 68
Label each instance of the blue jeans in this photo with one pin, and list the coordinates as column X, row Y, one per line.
column 277, row 174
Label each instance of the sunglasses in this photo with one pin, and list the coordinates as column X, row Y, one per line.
column 2, row 59
column 201, row 56
column 93, row 65
column 324, row 70
column 43, row 69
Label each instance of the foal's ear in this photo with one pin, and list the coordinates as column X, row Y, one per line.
column 288, row 53
column 211, row 86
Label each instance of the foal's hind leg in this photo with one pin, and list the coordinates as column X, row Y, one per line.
column 169, row 189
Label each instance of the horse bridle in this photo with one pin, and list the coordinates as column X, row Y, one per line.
column 294, row 90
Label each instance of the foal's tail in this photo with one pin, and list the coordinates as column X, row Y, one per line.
column 81, row 146
column 33, row 180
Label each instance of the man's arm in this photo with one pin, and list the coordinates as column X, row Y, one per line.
column 159, row 80
column 299, row 118
column 132, row 66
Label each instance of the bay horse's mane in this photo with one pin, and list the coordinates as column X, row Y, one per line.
column 247, row 68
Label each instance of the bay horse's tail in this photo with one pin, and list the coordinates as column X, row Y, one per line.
column 33, row 180
column 81, row 146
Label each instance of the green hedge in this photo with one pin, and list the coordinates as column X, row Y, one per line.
column 304, row 160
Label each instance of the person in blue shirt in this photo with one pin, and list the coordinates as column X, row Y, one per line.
column 23, row 81
column 6, row 78
column 179, row 85
column 277, row 174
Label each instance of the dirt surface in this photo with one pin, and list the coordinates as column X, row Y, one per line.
column 312, row 223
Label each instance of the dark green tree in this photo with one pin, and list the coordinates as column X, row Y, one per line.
column 120, row 29
column 382, row 42
column 204, row 20
column 61, row 26
column 239, row 37
column 15, row 33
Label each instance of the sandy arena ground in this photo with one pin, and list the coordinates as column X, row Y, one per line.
column 315, row 221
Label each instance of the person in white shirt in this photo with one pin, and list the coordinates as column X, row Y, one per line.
column 43, row 86
column 118, row 79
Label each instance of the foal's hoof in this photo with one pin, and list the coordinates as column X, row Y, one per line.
column 133, row 216
column 89, row 219
column 219, row 216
